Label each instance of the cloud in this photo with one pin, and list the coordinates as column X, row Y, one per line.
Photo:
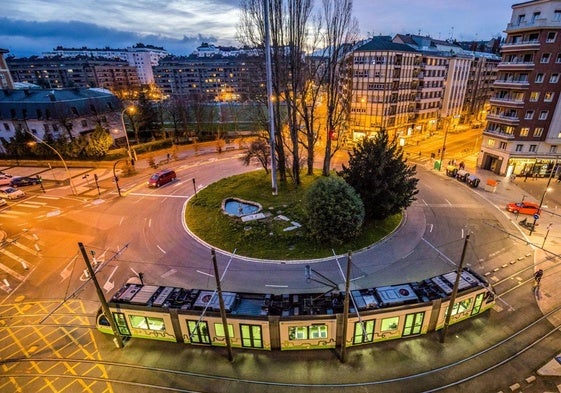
column 25, row 38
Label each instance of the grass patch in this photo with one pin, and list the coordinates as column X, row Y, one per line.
column 266, row 238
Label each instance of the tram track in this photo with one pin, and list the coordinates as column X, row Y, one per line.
column 121, row 376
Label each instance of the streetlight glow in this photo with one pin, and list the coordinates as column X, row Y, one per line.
column 130, row 110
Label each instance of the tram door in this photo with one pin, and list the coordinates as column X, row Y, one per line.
column 198, row 332
column 252, row 336
column 121, row 322
column 477, row 304
column 413, row 323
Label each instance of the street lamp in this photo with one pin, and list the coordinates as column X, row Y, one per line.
column 131, row 108
column 59, row 156
column 543, row 197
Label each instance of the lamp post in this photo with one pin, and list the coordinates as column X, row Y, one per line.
column 59, row 156
column 543, row 197
column 129, row 152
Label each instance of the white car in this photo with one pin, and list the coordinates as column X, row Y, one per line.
column 5, row 180
column 3, row 202
column 11, row 193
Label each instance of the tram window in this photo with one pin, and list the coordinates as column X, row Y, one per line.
column 297, row 332
column 477, row 304
column 219, row 329
column 461, row 307
column 151, row 323
column 364, row 332
column 318, row 331
column 389, row 324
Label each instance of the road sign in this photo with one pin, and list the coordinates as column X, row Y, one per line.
column 536, row 216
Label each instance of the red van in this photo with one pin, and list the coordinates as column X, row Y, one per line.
column 162, row 177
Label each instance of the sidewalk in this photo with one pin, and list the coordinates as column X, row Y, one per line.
column 546, row 237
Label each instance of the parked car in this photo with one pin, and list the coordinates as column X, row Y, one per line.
column 3, row 202
column 162, row 177
column 11, row 193
column 523, row 208
column 5, row 180
column 24, row 181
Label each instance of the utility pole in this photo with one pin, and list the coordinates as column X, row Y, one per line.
column 222, row 308
column 270, row 97
column 104, row 306
column 454, row 292
column 346, row 310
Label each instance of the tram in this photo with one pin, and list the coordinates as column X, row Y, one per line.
column 295, row 321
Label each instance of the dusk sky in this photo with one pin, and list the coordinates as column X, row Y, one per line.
column 30, row 27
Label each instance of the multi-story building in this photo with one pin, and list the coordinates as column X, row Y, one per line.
column 483, row 72
column 142, row 57
column 384, row 84
column 6, row 81
column 53, row 73
column 210, row 78
column 523, row 131
column 64, row 113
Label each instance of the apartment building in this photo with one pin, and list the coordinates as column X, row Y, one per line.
column 214, row 78
column 384, row 84
column 59, row 113
column 56, row 73
column 523, row 131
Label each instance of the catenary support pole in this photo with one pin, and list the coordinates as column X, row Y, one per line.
column 104, row 306
column 346, row 310
column 222, row 308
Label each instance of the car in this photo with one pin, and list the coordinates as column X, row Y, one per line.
column 24, row 181
column 160, row 178
column 11, row 193
column 5, row 180
column 3, row 202
column 523, row 208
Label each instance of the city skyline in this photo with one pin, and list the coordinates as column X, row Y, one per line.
column 30, row 27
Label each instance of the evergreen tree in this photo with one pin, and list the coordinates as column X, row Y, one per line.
column 380, row 175
column 99, row 143
column 333, row 210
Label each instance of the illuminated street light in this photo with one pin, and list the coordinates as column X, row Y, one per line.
column 59, row 156
column 132, row 109
column 547, row 189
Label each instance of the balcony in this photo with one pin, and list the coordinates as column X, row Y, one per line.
column 506, row 101
column 516, row 65
column 504, row 119
column 498, row 134
column 520, row 46
column 511, row 83
column 539, row 23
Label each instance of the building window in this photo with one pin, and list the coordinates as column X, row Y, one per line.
column 548, row 96
column 557, row 16
column 361, row 74
column 550, row 36
column 535, row 16
column 543, row 115
column 529, row 115
column 534, row 96
column 539, row 78
column 538, row 131
column 553, row 149
column 84, row 123
column 519, row 147
column 545, row 58
column 558, row 59
column 491, row 142
column 521, row 19
column 502, row 145
column 554, row 78
column 533, row 148
column 524, row 131
column 6, row 126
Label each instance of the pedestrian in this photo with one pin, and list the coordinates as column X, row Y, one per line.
column 462, row 165
column 168, row 156
column 420, row 156
column 538, row 276
column 535, row 175
column 526, row 174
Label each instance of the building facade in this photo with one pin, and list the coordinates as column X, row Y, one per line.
column 59, row 113
column 523, row 131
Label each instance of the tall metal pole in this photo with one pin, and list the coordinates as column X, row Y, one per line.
column 543, row 196
column 346, row 310
column 270, row 98
column 125, row 131
column 444, row 145
column 454, row 292
column 104, row 306
column 222, row 308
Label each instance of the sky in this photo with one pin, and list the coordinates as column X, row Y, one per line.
column 30, row 27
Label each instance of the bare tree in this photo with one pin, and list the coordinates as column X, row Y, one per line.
column 341, row 31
